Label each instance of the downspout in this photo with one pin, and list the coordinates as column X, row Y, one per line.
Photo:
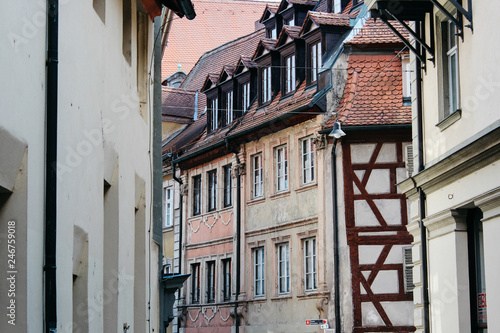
column 423, row 229
column 238, row 238
column 50, row 286
column 178, row 180
column 336, row 256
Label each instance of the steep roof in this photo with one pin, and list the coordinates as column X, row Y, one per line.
column 178, row 105
column 373, row 94
column 226, row 54
column 378, row 33
column 217, row 22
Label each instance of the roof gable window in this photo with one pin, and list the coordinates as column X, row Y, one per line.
column 289, row 73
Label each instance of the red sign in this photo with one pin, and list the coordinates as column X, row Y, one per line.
column 316, row 322
column 482, row 316
column 481, row 301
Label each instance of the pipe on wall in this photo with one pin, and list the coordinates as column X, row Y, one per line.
column 336, row 256
column 178, row 180
column 50, row 286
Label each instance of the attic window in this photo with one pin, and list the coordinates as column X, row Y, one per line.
column 290, row 22
column 214, row 113
column 290, row 73
column 337, row 6
column 316, row 61
column 229, row 107
column 266, row 84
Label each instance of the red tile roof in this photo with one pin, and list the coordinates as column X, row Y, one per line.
column 329, row 19
column 373, row 92
column 226, row 54
column 378, row 33
column 271, row 10
column 216, row 22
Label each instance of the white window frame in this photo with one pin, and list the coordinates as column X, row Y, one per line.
column 405, row 64
column 246, row 96
column 316, row 61
column 452, row 62
column 195, row 283
column 290, row 74
column 281, row 160
column 212, row 190
column 337, row 6
column 257, row 176
column 307, row 160
column 259, row 272
column 215, row 113
column 310, row 276
column 229, row 107
column 168, row 218
column 266, row 84
column 197, row 195
column 283, row 250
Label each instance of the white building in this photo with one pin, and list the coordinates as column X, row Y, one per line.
column 80, row 205
column 455, row 190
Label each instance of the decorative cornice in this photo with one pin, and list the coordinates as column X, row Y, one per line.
column 282, row 226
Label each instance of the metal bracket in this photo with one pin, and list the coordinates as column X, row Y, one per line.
column 458, row 22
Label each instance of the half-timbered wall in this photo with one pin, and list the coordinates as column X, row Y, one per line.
column 376, row 219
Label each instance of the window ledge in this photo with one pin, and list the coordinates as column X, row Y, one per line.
column 258, row 299
column 309, row 295
column 256, row 201
column 306, row 187
column 449, row 120
column 282, row 297
column 168, row 228
column 280, row 195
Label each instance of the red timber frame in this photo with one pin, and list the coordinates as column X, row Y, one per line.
column 354, row 239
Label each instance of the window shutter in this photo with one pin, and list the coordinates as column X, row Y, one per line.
column 408, row 269
column 409, row 159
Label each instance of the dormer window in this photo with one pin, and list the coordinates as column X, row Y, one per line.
column 290, row 21
column 316, row 61
column 337, row 6
column 215, row 114
column 229, row 107
column 245, row 92
column 266, row 84
column 290, row 74
column 271, row 33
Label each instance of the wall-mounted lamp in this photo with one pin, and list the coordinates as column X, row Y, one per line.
column 337, row 132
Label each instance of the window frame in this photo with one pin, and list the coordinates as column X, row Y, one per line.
column 210, row 281
column 195, row 283
column 316, row 60
column 229, row 115
column 307, row 160
column 214, row 110
column 259, row 270
column 168, row 218
column 290, row 74
column 228, row 186
column 449, row 88
column 212, row 190
column 226, row 279
column 283, row 175
column 283, row 264
column 196, row 195
column 266, row 84
column 245, row 95
column 309, row 245
column 257, row 176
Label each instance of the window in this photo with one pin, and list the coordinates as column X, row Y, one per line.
column 283, row 268
column 290, row 74
column 195, row 283
column 450, row 67
column 168, row 216
column 337, row 6
column 290, row 22
column 229, row 107
column 281, row 158
column 212, row 190
column 127, row 31
column 197, row 195
column 310, row 263
column 215, row 114
column 477, row 286
column 405, row 64
column 259, row 281
column 316, row 61
column 307, row 160
column 226, row 272
column 210, row 281
column 228, row 184
column 257, row 176
column 271, row 33
column 246, row 96
column 266, row 84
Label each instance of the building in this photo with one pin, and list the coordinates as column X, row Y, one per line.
column 259, row 177
column 80, row 207
column 454, row 190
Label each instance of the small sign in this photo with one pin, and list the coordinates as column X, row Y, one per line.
column 316, row 322
column 482, row 317
column 324, row 326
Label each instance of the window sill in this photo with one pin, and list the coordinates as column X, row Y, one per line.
column 282, row 297
column 449, row 120
column 168, row 228
column 256, row 201
column 309, row 295
column 280, row 195
column 258, row 299
column 306, row 187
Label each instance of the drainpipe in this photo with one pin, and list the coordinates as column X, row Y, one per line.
column 50, row 286
column 423, row 229
column 178, row 180
column 238, row 237
column 336, row 256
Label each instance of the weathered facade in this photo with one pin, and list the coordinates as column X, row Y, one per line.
column 454, row 190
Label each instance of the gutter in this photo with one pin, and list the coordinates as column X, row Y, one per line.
column 336, row 263
column 50, row 282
